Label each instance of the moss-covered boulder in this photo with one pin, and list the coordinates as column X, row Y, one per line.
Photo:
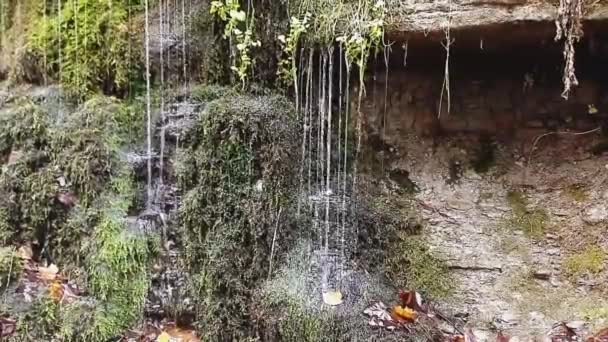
column 237, row 167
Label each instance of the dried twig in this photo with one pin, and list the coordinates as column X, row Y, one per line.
column 274, row 239
column 538, row 138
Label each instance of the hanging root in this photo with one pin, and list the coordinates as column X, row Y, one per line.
column 569, row 27
column 445, row 87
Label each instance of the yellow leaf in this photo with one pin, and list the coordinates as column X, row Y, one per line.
column 404, row 313
column 332, row 298
column 183, row 335
column 163, row 337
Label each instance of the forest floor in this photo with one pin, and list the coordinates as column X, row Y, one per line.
column 526, row 243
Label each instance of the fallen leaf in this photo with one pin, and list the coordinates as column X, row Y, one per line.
column 163, row 337
column 404, row 313
column 183, row 335
column 332, row 298
column 413, row 300
column 48, row 273
column 56, row 291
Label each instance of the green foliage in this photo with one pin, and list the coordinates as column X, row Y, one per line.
column 86, row 45
column 77, row 155
column 287, row 66
column 10, row 266
column 410, row 265
column 533, row 222
column 238, row 141
column 205, row 93
column 39, row 323
column 591, row 260
column 238, row 30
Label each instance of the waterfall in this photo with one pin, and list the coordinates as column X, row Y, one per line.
column 184, row 40
column 162, row 93
column 148, row 114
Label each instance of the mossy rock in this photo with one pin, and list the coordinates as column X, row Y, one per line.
column 591, row 260
column 532, row 221
column 238, row 141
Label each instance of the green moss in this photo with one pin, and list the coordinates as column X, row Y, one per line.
column 92, row 51
column 39, row 323
column 238, row 141
column 410, row 265
column 591, row 260
column 577, row 192
column 211, row 92
column 533, row 222
column 79, row 155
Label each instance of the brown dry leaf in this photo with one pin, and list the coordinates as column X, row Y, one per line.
column 404, row 313
column 413, row 300
column 48, row 273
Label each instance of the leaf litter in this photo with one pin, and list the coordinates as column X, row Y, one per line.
column 411, row 309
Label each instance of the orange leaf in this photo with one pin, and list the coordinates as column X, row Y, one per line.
column 404, row 313
column 56, row 290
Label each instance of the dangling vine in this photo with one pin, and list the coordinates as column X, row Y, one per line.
column 570, row 29
column 288, row 69
column 238, row 30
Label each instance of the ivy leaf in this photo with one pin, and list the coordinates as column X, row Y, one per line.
column 238, row 15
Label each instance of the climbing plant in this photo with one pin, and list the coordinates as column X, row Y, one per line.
column 288, row 67
column 239, row 31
